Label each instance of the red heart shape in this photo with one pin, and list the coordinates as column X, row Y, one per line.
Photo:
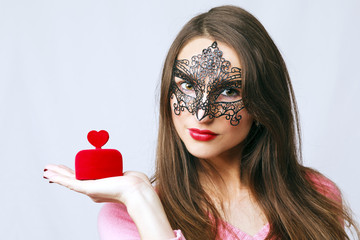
column 98, row 138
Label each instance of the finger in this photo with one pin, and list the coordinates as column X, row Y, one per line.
column 68, row 182
column 60, row 169
column 50, row 174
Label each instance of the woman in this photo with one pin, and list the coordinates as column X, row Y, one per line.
column 228, row 156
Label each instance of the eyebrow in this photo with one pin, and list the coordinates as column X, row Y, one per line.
column 181, row 66
column 226, row 84
column 187, row 76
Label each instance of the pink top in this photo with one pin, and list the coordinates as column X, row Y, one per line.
column 114, row 222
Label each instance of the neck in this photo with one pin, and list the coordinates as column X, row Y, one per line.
column 221, row 175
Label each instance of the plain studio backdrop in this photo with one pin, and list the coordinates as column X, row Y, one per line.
column 68, row 67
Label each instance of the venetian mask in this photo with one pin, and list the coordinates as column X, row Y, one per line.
column 207, row 86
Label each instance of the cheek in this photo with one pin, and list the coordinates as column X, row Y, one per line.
column 242, row 130
column 176, row 118
column 246, row 118
column 181, row 121
column 173, row 101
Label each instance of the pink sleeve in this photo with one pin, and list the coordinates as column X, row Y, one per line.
column 178, row 235
column 114, row 223
column 326, row 187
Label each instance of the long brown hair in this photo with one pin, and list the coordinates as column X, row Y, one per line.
column 271, row 160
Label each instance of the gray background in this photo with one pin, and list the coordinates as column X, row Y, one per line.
column 67, row 67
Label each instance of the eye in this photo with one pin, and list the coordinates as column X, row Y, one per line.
column 186, row 86
column 229, row 95
column 230, row 92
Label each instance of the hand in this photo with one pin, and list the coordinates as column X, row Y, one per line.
column 114, row 189
column 133, row 189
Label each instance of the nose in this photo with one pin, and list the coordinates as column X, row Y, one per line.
column 202, row 109
column 202, row 116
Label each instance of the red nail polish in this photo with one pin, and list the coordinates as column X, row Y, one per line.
column 45, row 170
column 50, row 182
column 45, row 177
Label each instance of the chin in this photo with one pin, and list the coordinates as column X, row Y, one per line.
column 203, row 156
column 202, row 153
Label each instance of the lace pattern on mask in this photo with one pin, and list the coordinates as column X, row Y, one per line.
column 210, row 66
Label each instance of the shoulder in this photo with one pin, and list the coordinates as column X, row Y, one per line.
column 114, row 222
column 324, row 185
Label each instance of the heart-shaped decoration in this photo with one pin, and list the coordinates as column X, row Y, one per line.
column 98, row 138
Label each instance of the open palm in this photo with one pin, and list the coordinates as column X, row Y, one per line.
column 113, row 189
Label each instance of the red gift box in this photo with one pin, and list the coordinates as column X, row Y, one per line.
column 98, row 163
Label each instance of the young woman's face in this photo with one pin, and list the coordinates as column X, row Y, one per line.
column 207, row 107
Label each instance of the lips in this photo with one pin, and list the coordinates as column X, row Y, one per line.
column 202, row 135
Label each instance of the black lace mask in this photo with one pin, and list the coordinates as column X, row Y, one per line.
column 219, row 96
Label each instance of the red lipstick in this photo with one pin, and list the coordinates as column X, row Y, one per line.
column 202, row 135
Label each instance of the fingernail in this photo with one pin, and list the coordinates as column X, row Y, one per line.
column 45, row 170
column 45, row 177
column 50, row 182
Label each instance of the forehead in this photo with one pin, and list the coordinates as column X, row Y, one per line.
column 196, row 45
